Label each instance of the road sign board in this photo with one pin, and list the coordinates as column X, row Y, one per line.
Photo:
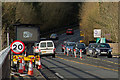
column 97, row 33
column 17, row 47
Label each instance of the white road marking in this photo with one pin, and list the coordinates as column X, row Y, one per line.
column 59, row 75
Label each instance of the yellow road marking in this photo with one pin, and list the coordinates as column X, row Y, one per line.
column 104, row 60
column 87, row 64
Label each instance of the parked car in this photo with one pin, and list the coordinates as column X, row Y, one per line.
column 79, row 46
column 99, row 49
column 69, row 31
column 47, row 48
column 54, row 36
column 70, row 46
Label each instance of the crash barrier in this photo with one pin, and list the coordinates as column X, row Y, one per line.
column 4, row 63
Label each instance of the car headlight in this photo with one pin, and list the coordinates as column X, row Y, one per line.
column 97, row 50
column 110, row 50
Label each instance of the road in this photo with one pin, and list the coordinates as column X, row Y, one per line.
column 69, row 67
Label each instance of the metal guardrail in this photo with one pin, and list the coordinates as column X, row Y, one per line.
column 3, row 56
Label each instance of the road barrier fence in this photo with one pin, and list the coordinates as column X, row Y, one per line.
column 5, row 63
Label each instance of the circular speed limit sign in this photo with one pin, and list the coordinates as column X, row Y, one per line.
column 17, row 47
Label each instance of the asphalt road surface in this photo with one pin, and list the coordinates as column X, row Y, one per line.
column 65, row 67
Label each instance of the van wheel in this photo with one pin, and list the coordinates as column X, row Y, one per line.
column 53, row 56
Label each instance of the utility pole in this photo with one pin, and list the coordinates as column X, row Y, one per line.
column 7, row 36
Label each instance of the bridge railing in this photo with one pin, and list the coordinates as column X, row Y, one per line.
column 5, row 63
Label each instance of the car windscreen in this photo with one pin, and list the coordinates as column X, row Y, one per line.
column 70, row 44
column 43, row 44
column 49, row 44
column 104, row 46
column 80, row 46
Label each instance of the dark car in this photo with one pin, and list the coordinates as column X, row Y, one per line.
column 90, row 50
column 70, row 46
column 79, row 46
column 70, row 31
column 54, row 36
column 104, row 48
column 96, row 49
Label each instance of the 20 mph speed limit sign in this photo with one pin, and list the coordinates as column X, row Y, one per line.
column 17, row 47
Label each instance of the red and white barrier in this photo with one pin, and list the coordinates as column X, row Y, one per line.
column 80, row 53
column 75, row 53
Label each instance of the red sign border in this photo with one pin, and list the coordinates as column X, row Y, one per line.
column 20, row 42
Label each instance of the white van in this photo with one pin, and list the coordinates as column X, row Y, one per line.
column 47, row 48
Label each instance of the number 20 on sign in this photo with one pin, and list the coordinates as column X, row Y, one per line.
column 17, row 47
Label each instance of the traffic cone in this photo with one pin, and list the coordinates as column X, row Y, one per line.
column 67, row 51
column 20, row 67
column 25, row 54
column 23, row 64
column 30, row 70
column 39, row 64
column 75, row 53
column 19, row 58
column 80, row 53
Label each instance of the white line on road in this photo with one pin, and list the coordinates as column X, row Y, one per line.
column 59, row 75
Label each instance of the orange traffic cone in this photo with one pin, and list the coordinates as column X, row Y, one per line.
column 25, row 54
column 30, row 70
column 39, row 64
column 20, row 67
column 19, row 58
column 23, row 64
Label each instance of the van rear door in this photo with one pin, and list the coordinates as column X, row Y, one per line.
column 50, row 47
column 43, row 47
column 46, row 47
